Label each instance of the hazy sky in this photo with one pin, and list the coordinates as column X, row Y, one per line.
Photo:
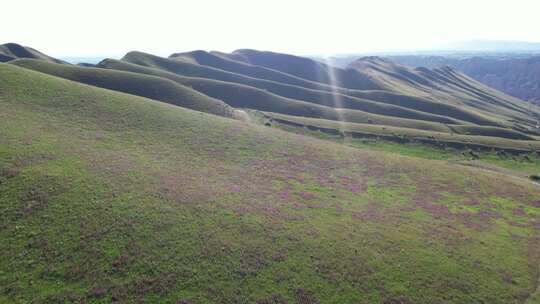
column 113, row 27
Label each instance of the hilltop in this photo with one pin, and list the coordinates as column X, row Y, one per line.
column 12, row 51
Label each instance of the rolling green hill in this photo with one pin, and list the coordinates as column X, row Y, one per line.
column 110, row 197
column 441, row 100
column 292, row 92
column 12, row 51
column 441, row 85
column 137, row 84
column 321, row 92
column 235, row 95
column 208, row 59
column 307, row 69
column 373, row 73
column 241, row 96
column 441, row 95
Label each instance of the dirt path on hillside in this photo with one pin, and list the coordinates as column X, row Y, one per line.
column 477, row 164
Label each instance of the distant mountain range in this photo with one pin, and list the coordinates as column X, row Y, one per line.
column 509, row 66
column 518, row 76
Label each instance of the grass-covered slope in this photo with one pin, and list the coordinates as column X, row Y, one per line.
column 137, row 84
column 427, row 105
column 446, row 88
column 420, row 96
column 110, row 197
column 319, row 93
column 233, row 93
column 12, row 51
column 380, row 73
column 516, row 75
column 248, row 97
column 443, row 96
column 260, row 72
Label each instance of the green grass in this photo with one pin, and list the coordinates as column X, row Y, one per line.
column 105, row 195
column 491, row 132
column 526, row 164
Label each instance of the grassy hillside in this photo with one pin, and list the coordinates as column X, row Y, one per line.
column 137, row 84
column 383, row 108
column 248, row 97
column 427, row 105
column 218, row 62
column 442, row 86
column 448, row 86
column 380, row 73
column 440, row 100
column 188, row 67
column 107, row 197
column 320, row 92
column 12, row 51
column 477, row 153
column 235, row 95
column 293, row 92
